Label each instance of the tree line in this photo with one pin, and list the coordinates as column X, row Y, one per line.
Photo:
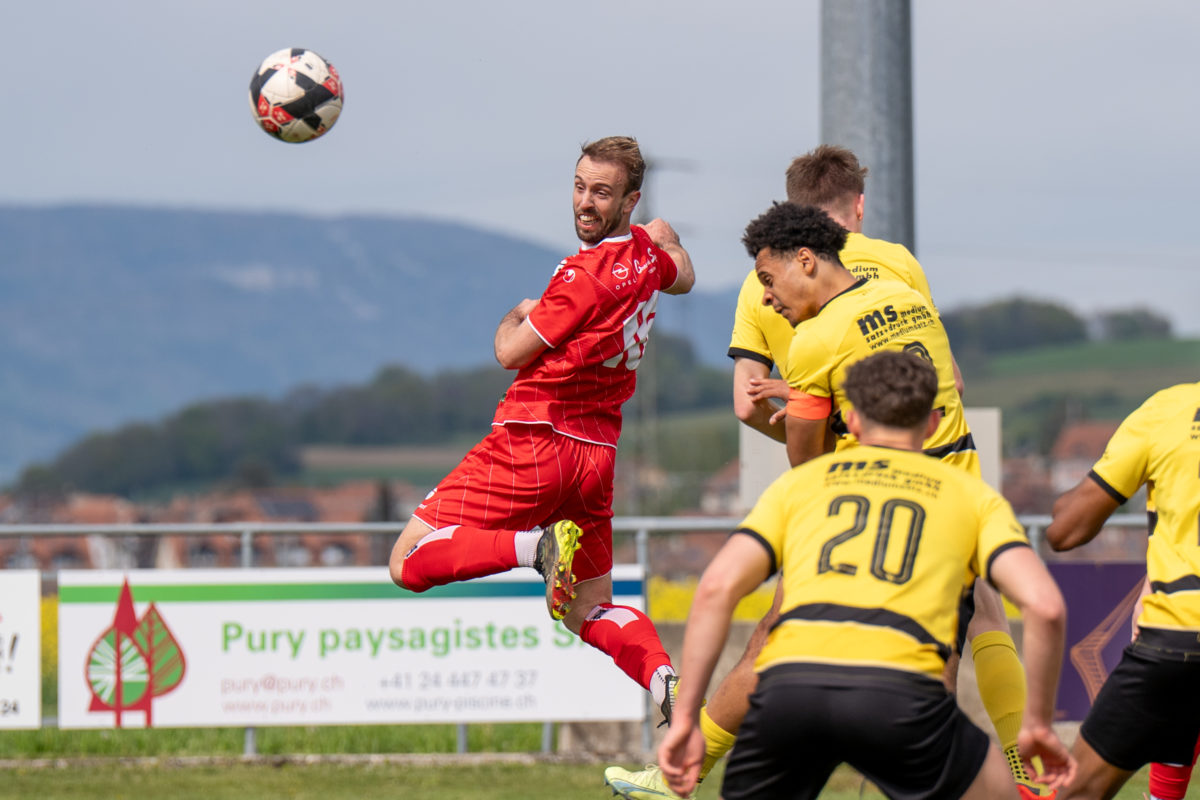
column 253, row 441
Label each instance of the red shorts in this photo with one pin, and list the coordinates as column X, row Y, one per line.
column 527, row 476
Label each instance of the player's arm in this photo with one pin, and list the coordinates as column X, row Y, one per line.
column 1081, row 512
column 1022, row 577
column 663, row 235
column 741, row 565
column 807, row 423
column 752, row 409
column 517, row 344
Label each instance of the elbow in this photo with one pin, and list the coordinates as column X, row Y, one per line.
column 1050, row 609
column 508, row 359
column 1056, row 538
column 716, row 589
column 1058, row 533
column 744, row 408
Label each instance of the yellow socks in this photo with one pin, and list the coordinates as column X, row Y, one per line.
column 1001, row 680
column 717, row 742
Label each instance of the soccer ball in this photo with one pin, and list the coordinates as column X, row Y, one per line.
column 296, row 95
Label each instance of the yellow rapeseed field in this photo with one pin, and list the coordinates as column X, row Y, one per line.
column 671, row 600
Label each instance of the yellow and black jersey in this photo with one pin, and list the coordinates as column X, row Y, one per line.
column 758, row 331
column 876, row 259
column 869, row 317
column 876, row 547
column 763, row 335
column 1159, row 445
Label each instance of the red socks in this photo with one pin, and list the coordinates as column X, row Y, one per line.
column 458, row 553
column 629, row 637
column 1170, row 781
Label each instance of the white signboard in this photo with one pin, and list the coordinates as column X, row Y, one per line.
column 20, row 649
column 325, row 646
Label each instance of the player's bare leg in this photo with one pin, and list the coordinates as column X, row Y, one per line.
column 412, row 534
column 993, row 781
column 720, row 718
column 588, row 595
column 1095, row 778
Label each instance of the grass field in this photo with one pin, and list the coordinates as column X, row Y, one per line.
column 453, row 779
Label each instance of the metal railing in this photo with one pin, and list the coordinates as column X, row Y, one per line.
column 642, row 528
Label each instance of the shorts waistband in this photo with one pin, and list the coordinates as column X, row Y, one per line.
column 849, row 676
column 1184, row 641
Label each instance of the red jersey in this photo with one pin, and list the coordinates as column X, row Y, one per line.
column 595, row 318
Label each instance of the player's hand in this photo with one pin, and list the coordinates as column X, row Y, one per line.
column 680, row 756
column 661, row 233
column 765, row 388
column 1058, row 766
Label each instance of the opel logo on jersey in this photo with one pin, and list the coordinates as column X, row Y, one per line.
column 568, row 276
column 620, row 272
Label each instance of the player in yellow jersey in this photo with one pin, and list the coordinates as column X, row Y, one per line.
column 832, row 179
column 841, row 319
column 875, row 546
column 1149, row 707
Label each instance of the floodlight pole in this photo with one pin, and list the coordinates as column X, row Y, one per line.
column 866, row 104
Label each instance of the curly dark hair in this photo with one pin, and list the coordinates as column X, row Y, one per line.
column 892, row 388
column 786, row 227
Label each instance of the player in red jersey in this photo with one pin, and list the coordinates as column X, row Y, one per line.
column 550, row 454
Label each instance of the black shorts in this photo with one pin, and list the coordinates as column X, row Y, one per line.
column 904, row 732
column 1149, row 707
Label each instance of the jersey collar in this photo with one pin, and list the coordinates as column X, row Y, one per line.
column 624, row 238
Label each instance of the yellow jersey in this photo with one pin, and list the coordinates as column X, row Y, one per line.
column 876, row 547
column 1159, row 444
column 868, row 317
column 763, row 335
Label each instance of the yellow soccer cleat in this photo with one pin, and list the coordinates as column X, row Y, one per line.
column 555, row 552
column 647, row 784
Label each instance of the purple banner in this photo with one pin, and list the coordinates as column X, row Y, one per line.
column 1100, row 602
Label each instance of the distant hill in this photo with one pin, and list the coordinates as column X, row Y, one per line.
column 112, row 314
column 1039, row 390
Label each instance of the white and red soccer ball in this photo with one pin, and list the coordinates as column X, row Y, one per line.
column 296, row 95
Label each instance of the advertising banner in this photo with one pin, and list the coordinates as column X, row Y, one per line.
column 1100, row 601
column 20, row 648
column 177, row 648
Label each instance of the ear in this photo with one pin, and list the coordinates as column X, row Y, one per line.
column 935, row 419
column 859, row 205
column 807, row 260
column 853, row 423
column 630, row 202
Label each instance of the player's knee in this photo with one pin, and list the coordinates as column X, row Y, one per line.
column 396, row 569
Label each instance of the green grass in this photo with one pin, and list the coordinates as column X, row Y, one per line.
column 353, row 781
column 186, row 742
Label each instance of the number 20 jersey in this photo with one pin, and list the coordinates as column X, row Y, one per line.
column 595, row 318
column 876, row 547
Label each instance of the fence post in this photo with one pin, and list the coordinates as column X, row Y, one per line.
column 250, row 740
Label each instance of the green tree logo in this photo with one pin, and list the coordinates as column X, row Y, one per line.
column 133, row 661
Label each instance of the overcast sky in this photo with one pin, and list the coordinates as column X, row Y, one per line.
column 1056, row 142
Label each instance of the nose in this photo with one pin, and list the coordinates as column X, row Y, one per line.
column 767, row 300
